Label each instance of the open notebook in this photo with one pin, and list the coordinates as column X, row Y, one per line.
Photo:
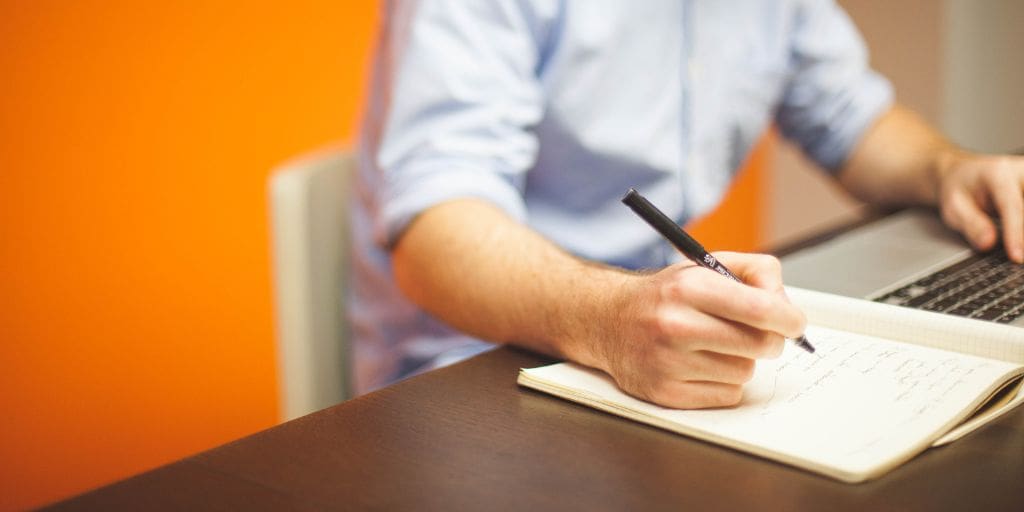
column 885, row 384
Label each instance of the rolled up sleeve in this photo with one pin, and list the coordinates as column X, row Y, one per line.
column 459, row 107
column 833, row 96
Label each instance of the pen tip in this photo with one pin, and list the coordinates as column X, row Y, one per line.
column 804, row 344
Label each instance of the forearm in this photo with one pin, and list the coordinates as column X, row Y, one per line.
column 680, row 337
column 472, row 266
column 899, row 161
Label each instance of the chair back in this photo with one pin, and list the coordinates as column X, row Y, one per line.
column 309, row 222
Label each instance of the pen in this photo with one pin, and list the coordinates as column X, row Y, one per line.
column 685, row 243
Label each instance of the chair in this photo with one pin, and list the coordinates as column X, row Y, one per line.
column 308, row 213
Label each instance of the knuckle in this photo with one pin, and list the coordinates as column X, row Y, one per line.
column 771, row 263
column 669, row 290
column 691, row 278
column 666, row 324
column 997, row 174
column 689, row 288
column 680, row 285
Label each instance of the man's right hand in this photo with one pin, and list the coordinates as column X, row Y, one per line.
column 682, row 337
column 686, row 337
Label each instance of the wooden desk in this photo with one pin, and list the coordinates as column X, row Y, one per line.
column 466, row 437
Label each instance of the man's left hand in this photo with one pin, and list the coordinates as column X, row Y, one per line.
column 974, row 188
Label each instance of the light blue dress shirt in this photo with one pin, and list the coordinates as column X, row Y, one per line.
column 552, row 109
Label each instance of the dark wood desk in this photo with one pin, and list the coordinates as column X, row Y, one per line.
column 466, row 437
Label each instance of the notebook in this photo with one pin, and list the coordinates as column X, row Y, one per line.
column 885, row 384
column 912, row 259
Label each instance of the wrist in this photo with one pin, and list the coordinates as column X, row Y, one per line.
column 597, row 315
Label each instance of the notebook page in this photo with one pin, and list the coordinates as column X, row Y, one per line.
column 967, row 335
column 862, row 407
column 993, row 409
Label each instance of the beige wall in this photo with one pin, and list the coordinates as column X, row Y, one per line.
column 983, row 108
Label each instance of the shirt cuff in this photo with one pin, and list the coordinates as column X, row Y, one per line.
column 431, row 184
column 873, row 100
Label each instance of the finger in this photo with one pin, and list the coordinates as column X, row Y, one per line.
column 740, row 340
column 758, row 270
column 703, row 332
column 1006, row 193
column 694, row 394
column 747, row 305
column 964, row 215
column 709, row 366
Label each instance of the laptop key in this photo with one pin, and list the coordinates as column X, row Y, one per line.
column 984, row 286
column 988, row 314
column 1005, row 319
column 964, row 310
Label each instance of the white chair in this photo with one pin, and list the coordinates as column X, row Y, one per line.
column 308, row 214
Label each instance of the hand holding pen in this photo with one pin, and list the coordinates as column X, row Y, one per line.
column 686, row 244
column 687, row 338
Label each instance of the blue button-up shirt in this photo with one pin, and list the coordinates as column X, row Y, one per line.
column 552, row 109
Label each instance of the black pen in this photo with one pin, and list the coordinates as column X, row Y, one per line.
column 685, row 243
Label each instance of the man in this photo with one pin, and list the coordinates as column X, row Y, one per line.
column 502, row 134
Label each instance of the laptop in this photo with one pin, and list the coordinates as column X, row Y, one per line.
column 912, row 259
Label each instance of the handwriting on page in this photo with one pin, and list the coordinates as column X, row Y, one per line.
column 867, row 391
column 915, row 376
column 855, row 379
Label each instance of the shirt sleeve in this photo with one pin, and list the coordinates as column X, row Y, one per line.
column 457, row 108
column 833, row 96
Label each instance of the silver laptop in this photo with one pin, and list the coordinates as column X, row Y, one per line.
column 911, row 259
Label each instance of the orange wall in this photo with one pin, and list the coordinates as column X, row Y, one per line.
column 738, row 224
column 135, row 140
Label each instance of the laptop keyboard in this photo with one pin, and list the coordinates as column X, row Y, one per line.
column 984, row 286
